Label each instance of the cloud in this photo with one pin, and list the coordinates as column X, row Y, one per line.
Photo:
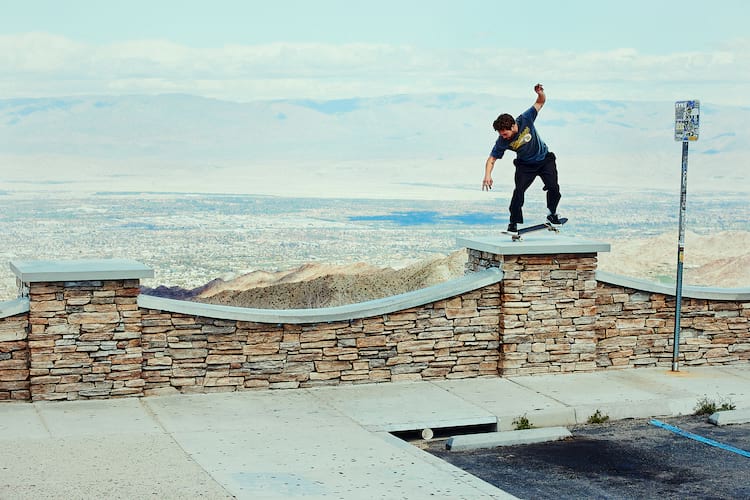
column 41, row 64
column 38, row 53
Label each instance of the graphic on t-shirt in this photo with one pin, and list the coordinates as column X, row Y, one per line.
column 523, row 138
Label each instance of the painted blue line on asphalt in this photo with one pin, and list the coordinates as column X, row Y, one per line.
column 701, row 439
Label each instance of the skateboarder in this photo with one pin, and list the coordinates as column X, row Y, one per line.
column 532, row 159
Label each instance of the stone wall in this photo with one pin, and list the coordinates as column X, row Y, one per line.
column 454, row 338
column 84, row 340
column 14, row 358
column 636, row 328
column 90, row 339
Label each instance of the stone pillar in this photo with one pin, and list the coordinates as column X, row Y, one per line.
column 548, row 312
column 85, row 328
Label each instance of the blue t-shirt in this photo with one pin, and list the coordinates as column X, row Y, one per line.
column 527, row 144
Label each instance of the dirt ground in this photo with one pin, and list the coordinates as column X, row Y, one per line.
column 324, row 286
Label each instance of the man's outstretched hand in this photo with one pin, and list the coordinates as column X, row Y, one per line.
column 541, row 97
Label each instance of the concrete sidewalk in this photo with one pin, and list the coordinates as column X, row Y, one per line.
column 332, row 442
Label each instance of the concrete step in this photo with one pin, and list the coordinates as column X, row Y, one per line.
column 506, row 438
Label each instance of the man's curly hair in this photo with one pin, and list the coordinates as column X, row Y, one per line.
column 503, row 122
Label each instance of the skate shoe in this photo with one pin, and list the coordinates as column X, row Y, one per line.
column 554, row 219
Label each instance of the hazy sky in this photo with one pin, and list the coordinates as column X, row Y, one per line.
column 327, row 49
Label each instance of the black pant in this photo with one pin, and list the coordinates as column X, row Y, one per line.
column 525, row 175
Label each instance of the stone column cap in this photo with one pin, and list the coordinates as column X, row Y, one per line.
column 533, row 244
column 35, row 271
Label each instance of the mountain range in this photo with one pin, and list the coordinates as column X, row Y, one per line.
column 718, row 260
column 428, row 146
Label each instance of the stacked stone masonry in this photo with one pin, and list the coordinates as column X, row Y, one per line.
column 548, row 314
column 636, row 328
column 14, row 358
column 90, row 339
column 482, row 260
column 84, row 340
column 454, row 338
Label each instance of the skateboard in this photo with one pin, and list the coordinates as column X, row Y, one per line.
column 530, row 229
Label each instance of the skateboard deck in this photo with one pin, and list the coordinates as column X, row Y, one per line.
column 530, row 229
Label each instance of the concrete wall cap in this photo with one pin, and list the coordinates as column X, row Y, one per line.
column 14, row 307
column 537, row 243
column 36, row 271
column 690, row 292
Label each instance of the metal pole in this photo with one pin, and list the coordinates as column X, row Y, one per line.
column 680, row 258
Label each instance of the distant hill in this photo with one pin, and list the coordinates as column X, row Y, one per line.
column 721, row 259
column 324, row 285
column 386, row 146
column 710, row 261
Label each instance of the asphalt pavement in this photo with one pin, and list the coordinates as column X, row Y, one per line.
column 332, row 442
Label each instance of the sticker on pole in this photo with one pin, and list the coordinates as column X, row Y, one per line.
column 686, row 120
